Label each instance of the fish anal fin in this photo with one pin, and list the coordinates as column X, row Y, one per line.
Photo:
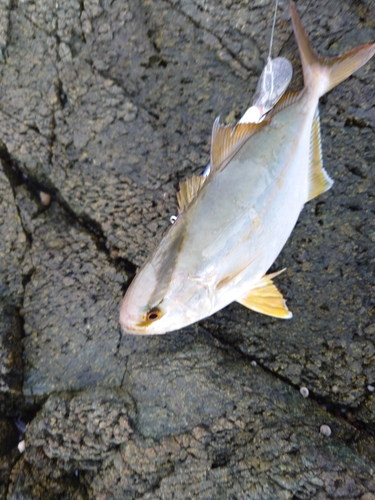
column 319, row 180
column 266, row 299
column 227, row 140
column 189, row 189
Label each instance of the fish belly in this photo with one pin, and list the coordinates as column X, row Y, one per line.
column 247, row 211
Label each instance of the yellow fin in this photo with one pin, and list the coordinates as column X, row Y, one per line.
column 327, row 73
column 189, row 188
column 319, row 180
column 227, row 140
column 286, row 100
column 265, row 298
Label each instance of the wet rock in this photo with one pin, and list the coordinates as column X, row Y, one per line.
column 8, row 436
column 70, row 310
column 43, row 480
column 13, row 243
column 13, row 266
column 366, row 413
column 8, row 453
column 72, row 433
column 11, row 365
column 106, row 106
column 123, row 120
column 84, row 428
column 258, row 438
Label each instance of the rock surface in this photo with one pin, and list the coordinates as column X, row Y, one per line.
column 105, row 107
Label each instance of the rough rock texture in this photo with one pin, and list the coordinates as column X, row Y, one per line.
column 14, row 243
column 65, row 344
column 8, row 453
column 261, row 438
column 13, row 267
column 10, row 350
column 105, row 106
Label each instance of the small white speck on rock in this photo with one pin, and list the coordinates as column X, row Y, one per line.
column 325, row 430
column 370, row 388
column 45, row 198
column 254, row 363
column 304, row 392
column 21, row 446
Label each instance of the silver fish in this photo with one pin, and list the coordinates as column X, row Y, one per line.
column 234, row 222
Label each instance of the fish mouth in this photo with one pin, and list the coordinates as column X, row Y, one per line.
column 133, row 325
column 133, row 331
column 138, row 329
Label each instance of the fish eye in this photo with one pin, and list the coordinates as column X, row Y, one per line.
column 153, row 314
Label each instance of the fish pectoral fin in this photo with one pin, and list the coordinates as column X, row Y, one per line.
column 265, row 298
column 227, row 140
column 189, row 189
column 319, row 180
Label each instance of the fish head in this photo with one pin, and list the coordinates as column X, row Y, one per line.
column 162, row 297
column 147, row 310
column 140, row 313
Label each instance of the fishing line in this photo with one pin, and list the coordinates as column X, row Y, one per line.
column 273, row 28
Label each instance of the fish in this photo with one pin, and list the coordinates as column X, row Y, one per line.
column 233, row 223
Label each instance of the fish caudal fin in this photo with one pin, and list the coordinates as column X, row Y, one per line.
column 323, row 72
column 265, row 298
column 319, row 180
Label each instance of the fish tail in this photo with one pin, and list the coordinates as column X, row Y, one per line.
column 326, row 73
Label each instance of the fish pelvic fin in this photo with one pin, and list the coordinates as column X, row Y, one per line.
column 189, row 189
column 326, row 73
column 319, row 180
column 227, row 140
column 266, row 299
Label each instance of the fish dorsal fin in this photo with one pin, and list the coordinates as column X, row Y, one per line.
column 286, row 100
column 265, row 298
column 189, row 188
column 227, row 140
column 319, row 180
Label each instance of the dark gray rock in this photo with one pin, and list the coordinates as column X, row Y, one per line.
column 13, row 244
column 8, row 436
column 70, row 310
column 13, row 267
column 235, row 432
column 8, row 453
column 11, row 365
column 106, row 106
